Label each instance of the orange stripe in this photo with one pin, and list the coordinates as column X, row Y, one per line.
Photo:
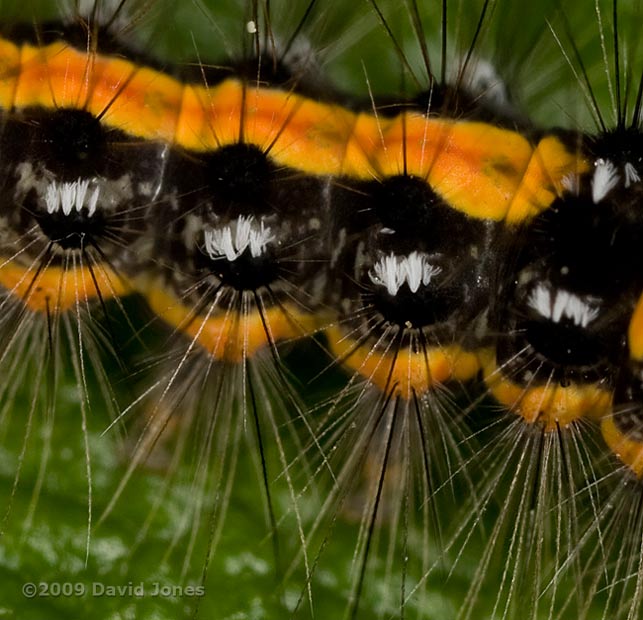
column 551, row 405
column 226, row 336
column 56, row 289
column 635, row 332
column 628, row 451
column 9, row 72
column 407, row 372
column 549, row 164
column 482, row 170
column 300, row 133
column 138, row 100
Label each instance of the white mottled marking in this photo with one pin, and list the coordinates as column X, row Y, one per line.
column 232, row 240
column 606, row 178
column 570, row 182
column 109, row 13
column 631, row 175
column 393, row 271
column 483, row 81
column 559, row 304
column 74, row 196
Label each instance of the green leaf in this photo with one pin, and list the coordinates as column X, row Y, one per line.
column 145, row 542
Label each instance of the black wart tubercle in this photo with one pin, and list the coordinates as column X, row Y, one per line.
column 621, row 145
column 551, row 332
column 416, row 260
column 238, row 178
column 245, row 273
column 70, row 143
column 404, row 203
column 74, row 231
column 407, row 205
column 421, row 308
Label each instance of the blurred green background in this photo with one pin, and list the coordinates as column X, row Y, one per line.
column 144, row 541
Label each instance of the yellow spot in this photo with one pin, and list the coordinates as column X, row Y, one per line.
column 55, row 289
column 630, row 452
column 635, row 332
column 224, row 334
column 551, row 405
column 407, row 372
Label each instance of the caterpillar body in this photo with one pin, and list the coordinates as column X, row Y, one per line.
column 415, row 312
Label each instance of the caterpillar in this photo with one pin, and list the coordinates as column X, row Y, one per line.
column 566, row 358
column 168, row 98
column 409, row 317
column 72, row 224
column 226, row 148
